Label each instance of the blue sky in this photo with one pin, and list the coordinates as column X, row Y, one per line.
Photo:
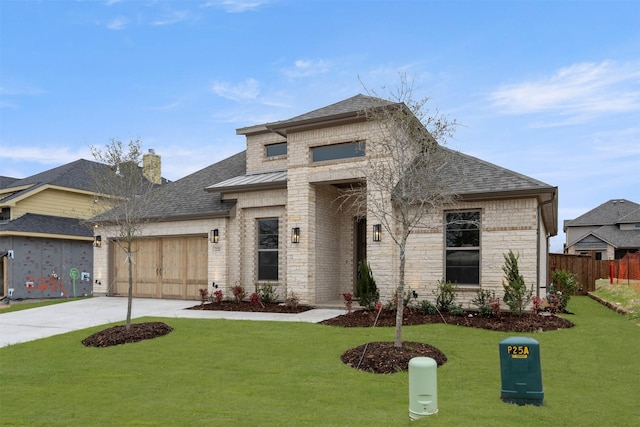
column 550, row 89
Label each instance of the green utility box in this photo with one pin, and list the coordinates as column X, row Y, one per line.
column 520, row 371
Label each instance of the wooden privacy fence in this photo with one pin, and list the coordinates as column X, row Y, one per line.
column 586, row 267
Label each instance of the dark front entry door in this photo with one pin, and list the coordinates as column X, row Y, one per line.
column 360, row 246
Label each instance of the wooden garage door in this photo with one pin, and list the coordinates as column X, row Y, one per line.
column 169, row 267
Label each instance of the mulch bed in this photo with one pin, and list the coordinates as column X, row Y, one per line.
column 120, row 335
column 506, row 322
column 256, row 308
column 376, row 357
column 384, row 358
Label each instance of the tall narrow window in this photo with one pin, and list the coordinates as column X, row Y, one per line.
column 268, row 249
column 462, row 252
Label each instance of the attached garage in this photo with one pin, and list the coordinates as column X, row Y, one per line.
column 167, row 267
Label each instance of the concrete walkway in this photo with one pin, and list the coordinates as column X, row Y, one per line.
column 42, row 322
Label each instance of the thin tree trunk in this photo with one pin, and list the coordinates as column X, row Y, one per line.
column 130, row 293
column 400, row 291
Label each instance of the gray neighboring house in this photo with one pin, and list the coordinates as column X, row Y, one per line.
column 608, row 231
column 46, row 245
column 268, row 215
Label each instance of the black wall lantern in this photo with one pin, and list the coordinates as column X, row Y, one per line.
column 97, row 241
column 377, row 232
column 214, row 236
column 295, row 235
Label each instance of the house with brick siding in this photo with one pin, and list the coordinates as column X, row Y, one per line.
column 269, row 215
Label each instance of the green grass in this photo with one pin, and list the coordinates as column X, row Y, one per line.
column 17, row 306
column 242, row 373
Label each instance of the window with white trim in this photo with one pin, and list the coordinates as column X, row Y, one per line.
column 462, row 247
column 268, row 249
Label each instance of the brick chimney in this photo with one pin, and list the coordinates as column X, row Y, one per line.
column 151, row 168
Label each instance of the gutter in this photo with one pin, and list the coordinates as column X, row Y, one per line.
column 539, row 209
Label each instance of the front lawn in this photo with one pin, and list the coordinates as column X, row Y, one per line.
column 224, row 372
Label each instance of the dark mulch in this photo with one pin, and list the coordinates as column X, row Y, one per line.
column 384, row 358
column 506, row 322
column 247, row 306
column 120, row 335
column 377, row 357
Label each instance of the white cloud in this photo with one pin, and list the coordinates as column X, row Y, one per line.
column 119, row 23
column 307, row 68
column 46, row 155
column 173, row 18
column 243, row 91
column 236, row 6
column 577, row 92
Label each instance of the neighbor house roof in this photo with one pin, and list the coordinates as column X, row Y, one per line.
column 46, row 224
column 186, row 198
column 614, row 211
column 605, row 221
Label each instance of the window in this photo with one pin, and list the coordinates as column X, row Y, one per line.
column 274, row 150
column 337, row 151
column 462, row 252
column 268, row 249
column 5, row 215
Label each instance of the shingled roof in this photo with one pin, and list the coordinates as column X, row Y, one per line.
column 186, row 198
column 614, row 211
column 47, row 224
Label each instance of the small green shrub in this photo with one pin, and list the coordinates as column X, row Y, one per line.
column 516, row 294
column 445, row 293
column 565, row 284
column 483, row 302
column 366, row 288
column 267, row 292
column 426, row 307
column 455, row 309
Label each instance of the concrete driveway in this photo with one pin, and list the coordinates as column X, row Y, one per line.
column 42, row 322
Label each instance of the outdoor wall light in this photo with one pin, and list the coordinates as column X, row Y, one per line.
column 214, row 236
column 295, row 235
column 377, row 232
column 97, row 241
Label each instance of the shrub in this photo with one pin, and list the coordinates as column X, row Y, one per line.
column 267, row 292
column 445, row 295
column 565, row 284
column 456, row 309
column 483, row 302
column 426, row 307
column 516, row 294
column 366, row 288
column 291, row 301
column 495, row 306
column 238, row 293
column 204, row 295
column 348, row 300
column 218, row 296
column 255, row 299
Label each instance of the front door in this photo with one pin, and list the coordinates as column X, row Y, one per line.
column 360, row 252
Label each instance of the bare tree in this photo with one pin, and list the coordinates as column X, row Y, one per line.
column 408, row 172
column 124, row 194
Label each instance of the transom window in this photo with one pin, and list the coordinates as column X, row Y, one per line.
column 337, row 151
column 268, row 249
column 279, row 149
column 462, row 251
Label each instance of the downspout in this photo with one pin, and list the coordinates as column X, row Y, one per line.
column 540, row 205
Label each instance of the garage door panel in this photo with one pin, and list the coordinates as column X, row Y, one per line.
column 171, row 267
